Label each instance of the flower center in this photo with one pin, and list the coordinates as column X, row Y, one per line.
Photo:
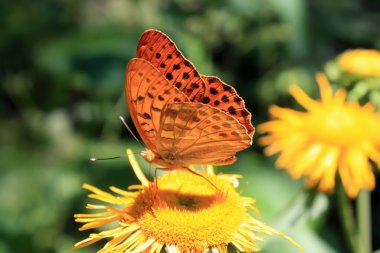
column 184, row 201
column 337, row 125
column 187, row 211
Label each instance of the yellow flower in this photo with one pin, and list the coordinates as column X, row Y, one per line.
column 332, row 135
column 361, row 62
column 179, row 212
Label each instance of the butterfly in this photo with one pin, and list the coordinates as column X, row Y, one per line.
column 182, row 116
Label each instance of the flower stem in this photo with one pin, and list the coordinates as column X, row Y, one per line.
column 364, row 221
column 347, row 217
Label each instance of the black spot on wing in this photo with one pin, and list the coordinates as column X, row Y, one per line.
column 212, row 80
column 185, row 75
column 244, row 113
column 169, row 76
column 231, row 110
column 227, row 88
column 237, row 100
column 146, row 116
column 206, row 100
column 213, row 91
column 225, row 99
column 156, row 109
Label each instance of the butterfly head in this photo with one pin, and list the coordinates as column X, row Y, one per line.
column 148, row 155
column 156, row 159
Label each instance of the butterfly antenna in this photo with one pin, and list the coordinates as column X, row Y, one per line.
column 93, row 159
column 126, row 126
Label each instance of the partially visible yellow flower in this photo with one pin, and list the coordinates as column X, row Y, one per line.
column 331, row 136
column 361, row 62
column 179, row 212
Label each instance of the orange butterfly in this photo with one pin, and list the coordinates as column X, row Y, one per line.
column 183, row 117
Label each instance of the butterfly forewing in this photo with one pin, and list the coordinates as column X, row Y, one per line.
column 195, row 133
column 157, row 48
column 160, row 50
column 224, row 97
column 147, row 93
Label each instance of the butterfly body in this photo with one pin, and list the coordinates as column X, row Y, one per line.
column 182, row 116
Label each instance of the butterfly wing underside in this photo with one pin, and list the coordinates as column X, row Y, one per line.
column 148, row 92
column 195, row 133
column 224, row 97
column 157, row 48
column 161, row 51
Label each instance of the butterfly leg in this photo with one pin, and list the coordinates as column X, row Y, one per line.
column 155, row 174
column 199, row 175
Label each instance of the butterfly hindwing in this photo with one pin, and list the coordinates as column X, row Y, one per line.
column 195, row 133
column 147, row 93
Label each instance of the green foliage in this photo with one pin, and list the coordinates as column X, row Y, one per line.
column 62, row 69
column 362, row 89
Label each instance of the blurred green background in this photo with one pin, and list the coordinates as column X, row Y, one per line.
column 62, row 68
